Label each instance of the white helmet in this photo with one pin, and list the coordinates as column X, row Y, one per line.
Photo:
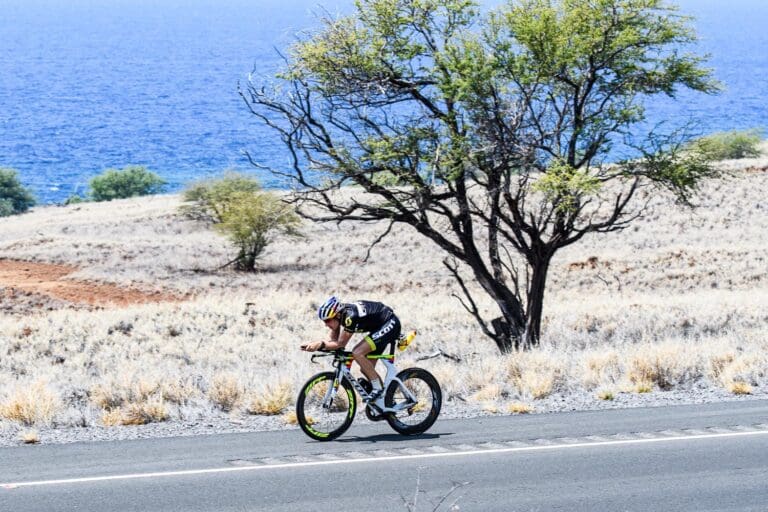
column 329, row 309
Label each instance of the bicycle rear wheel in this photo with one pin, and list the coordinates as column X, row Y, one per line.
column 414, row 417
column 325, row 421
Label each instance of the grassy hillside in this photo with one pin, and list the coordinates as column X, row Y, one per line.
column 675, row 302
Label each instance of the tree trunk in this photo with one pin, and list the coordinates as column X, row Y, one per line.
column 246, row 260
column 535, row 303
column 508, row 329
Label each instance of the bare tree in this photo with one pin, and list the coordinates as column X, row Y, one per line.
column 489, row 135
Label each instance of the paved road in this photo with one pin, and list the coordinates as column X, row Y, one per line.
column 707, row 457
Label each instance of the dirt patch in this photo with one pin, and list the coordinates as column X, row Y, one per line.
column 49, row 280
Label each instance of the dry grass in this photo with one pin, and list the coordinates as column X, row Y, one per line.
column 664, row 364
column 271, row 401
column 226, row 391
column 536, row 374
column 519, row 408
column 673, row 301
column 139, row 413
column 606, row 394
column 179, row 391
column 600, row 368
column 739, row 388
column 112, row 417
column 32, row 405
column 29, row 437
column 489, row 392
column 290, row 418
column 643, row 387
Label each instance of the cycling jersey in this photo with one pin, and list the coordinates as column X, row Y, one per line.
column 375, row 318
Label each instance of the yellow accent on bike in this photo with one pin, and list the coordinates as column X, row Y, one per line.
column 351, row 399
column 405, row 341
column 312, row 384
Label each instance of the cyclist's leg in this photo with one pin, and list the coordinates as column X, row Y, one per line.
column 376, row 343
column 360, row 352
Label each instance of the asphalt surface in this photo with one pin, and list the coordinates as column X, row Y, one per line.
column 703, row 457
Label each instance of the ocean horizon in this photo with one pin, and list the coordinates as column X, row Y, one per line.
column 88, row 85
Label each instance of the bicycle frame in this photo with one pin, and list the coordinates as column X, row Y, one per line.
column 343, row 363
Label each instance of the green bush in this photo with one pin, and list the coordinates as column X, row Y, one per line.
column 241, row 211
column 130, row 181
column 209, row 200
column 75, row 199
column 252, row 220
column 729, row 145
column 14, row 198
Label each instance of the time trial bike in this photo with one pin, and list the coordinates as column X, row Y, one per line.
column 327, row 404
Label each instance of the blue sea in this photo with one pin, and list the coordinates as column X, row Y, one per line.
column 87, row 85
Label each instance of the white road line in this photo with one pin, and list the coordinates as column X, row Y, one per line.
column 194, row 472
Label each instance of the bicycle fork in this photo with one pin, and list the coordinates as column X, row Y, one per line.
column 331, row 393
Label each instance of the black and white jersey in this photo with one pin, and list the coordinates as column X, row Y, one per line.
column 364, row 316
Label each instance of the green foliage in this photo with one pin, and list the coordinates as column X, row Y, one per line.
column 579, row 71
column 673, row 167
column 14, row 198
column 240, row 210
column 563, row 186
column 729, row 145
column 130, row 181
column 209, row 200
column 251, row 221
column 75, row 199
column 513, row 113
column 570, row 39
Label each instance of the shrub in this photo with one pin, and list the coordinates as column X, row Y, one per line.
column 130, row 181
column 739, row 388
column 519, row 408
column 75, row 199
column 273, row 400
column 729, row 145
column 14, row 198
column 139, row 413
column 240, row 210
column 29, row 437
column 606, row 395
column 31, row 405
column 251, row 222
column 225, row 392
column 209, row 201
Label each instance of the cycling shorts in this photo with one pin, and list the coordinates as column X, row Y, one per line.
column 385, row 336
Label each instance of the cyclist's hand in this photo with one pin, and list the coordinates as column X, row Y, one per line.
column 311, row 346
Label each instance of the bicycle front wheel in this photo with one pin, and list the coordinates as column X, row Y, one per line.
column 322, row 412
column 418, row 403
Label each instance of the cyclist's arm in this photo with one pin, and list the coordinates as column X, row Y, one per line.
column 339, row 339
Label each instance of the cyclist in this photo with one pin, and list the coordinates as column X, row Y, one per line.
column 344, row 320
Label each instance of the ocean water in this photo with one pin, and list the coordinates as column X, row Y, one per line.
column 86, row 84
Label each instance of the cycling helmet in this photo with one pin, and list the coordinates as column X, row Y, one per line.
column 329, row 309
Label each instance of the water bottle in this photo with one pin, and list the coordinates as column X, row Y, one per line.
column 406, row 340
